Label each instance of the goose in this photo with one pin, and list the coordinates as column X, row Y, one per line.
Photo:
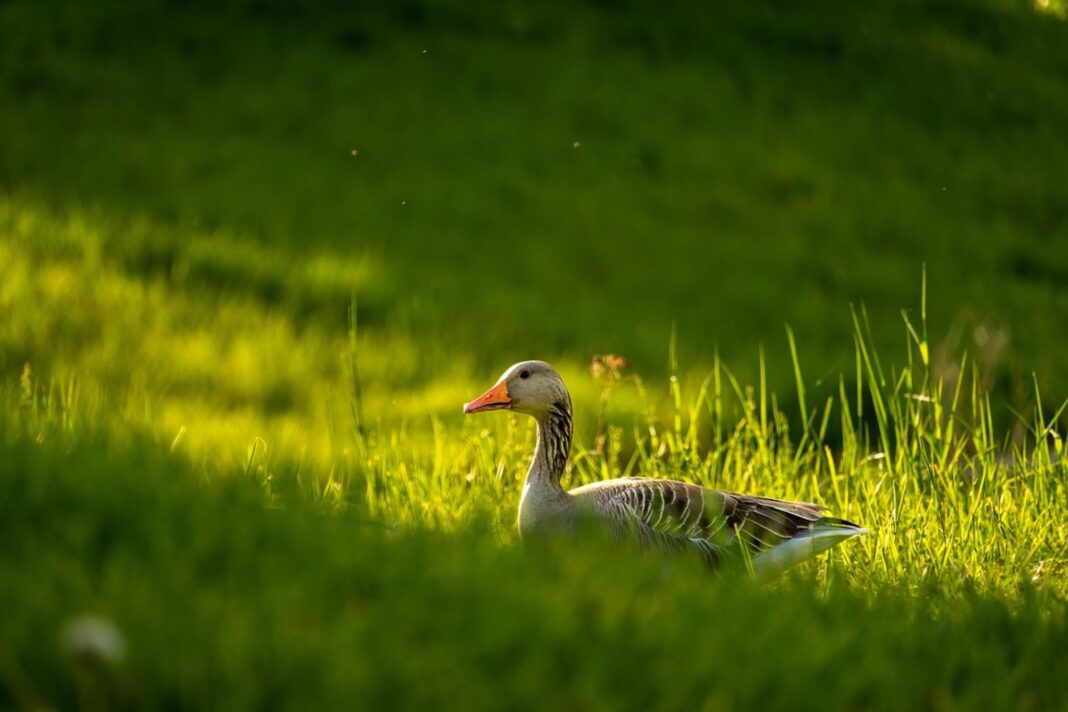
column 673, row 516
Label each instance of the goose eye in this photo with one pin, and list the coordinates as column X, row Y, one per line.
column 524, row 374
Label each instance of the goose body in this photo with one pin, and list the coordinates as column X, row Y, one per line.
column 666, row 514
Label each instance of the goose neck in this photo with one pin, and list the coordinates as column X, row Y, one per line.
column 553, row 448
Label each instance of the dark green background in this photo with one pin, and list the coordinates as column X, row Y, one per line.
column 556, row 180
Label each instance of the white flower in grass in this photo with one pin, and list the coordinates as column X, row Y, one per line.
column 94, row 639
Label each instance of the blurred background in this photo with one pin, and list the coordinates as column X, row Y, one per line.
column 191, row 193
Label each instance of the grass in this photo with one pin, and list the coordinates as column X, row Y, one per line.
column 288, row 608
column 391, row 576
column 222, row 168
column 232, row 352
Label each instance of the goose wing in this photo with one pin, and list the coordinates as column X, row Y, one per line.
column 678, row 516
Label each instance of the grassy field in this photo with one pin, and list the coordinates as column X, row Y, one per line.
column 195, row 200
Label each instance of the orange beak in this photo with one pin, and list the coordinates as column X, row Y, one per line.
column 495, row 398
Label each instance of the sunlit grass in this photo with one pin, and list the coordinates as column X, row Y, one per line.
column 237, row 390
column 193, row 424
column 368, row 557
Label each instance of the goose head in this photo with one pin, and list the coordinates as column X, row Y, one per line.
column 530, row 387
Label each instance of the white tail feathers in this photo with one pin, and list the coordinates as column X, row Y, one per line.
column 802, row 547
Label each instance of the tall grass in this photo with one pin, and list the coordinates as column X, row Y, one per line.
column 909, row 452
column 392, row 576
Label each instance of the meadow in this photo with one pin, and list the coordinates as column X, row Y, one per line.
column 256, row 255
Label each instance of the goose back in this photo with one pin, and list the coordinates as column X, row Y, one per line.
column 715, row 524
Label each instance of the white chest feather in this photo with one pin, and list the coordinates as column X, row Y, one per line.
column 542, row 506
